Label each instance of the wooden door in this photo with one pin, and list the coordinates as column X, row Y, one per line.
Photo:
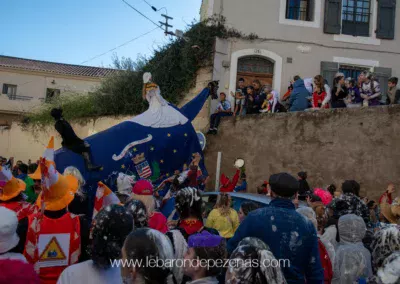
column 249, row 77
column 251, row 68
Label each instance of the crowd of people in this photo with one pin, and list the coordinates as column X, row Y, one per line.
column 304, row 234
column 306, row 94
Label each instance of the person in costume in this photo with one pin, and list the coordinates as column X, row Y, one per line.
column 188, row 204
column 8, row 236
column 253, row 251
column 204, row 248
column 71, row 141
column 11, row 194
column 143, row 191
column 54, row 238
column 23, row 175
column 109, row 230
column 226, row 184
column 160, row 113
column 223, row 218
column 145, row 246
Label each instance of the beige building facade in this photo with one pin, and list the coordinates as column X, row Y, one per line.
column 306, row 38
column 26, row 83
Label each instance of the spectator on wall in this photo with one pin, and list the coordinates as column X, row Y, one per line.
column 370, row 89
column 353, row 95
column 339, row 91
column 299, row 95
column 242, row 86
column 223, row 109
column 240, row 102
column 393, row 94
column 322, row 84
column 250, row 100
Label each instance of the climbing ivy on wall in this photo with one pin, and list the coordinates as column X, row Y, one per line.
column 173, row 66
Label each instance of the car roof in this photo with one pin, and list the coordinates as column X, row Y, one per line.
column 251, row 197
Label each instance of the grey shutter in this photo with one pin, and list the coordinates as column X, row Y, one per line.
column 5, row 89
column 333, row 16
column 382, row 75
column 328, row 71
column 386, row 19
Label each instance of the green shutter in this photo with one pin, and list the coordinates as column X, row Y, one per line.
column 386, row 19
column 333, row 16
column 329, row 70
column 382, row 75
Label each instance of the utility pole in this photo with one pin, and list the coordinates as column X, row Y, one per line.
column 166, row 25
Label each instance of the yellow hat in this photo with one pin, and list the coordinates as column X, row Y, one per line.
column 49, row 156
column 12, row 186
column 58, row 190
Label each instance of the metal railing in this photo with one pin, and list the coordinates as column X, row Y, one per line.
column 19, row 98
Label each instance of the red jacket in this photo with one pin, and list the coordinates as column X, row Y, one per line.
column 318, row 99
column 226, row 184
column 325, row 262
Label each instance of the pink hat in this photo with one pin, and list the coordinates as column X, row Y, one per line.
column 143, row 187
column 325, row 196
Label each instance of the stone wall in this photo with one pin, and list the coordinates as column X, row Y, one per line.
column 332, row 146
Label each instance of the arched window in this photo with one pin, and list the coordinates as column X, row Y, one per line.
column 254, row 64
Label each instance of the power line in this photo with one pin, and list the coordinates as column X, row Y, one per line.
column 154, row 8
column 151, row 6
column 125, row 43
column 142, row 14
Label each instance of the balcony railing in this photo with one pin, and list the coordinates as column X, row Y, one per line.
column 19, row 98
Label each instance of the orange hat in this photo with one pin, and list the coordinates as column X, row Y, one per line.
column 12, row 187
column 49, row 156
column 58, row 190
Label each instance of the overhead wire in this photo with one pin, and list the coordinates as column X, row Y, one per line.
column 125, row 43
column 143, row 15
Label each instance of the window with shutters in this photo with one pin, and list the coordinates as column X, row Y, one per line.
column 360, row 21
column 10, row 91
column 299, row 10
column 356, row 17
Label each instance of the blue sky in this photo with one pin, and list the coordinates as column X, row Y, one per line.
column 73, row 31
